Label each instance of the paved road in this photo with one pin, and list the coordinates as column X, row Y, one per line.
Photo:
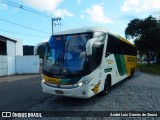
column 20, row 95
column 141, row 93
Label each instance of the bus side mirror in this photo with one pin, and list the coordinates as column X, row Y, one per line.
column 40, row 44
column 89, row 46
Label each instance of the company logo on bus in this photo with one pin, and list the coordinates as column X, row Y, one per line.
column 109, row 61
column 58, row 76
column 130, row 59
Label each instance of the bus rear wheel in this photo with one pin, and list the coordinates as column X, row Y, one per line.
column 131, row 74
column 107, row 86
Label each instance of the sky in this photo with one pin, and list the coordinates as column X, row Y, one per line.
column 31, row 28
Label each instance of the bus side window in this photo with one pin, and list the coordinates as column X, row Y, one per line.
column 99, row 52
column 116, row 46
column 110, row 46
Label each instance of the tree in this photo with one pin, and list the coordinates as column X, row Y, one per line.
column 41, row 51
column 146, row 33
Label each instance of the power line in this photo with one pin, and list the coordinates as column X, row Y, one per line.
column 21, row 33
column 14, row 4
column 55, row 26
column 23, row 26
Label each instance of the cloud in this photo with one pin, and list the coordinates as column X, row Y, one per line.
column 82, row 16
column 3, row 6
column 49, row 6
column 63, row 13
column 156, row 14
column 140, row 5
column 14, row 10
column 96, row 14
column 79, row 1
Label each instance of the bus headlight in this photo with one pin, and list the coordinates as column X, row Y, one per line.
column 82, row 83
column 43, row 80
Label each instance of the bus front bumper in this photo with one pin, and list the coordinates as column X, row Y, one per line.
column 77, row 92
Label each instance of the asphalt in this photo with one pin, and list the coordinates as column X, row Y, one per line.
column 20, row 92
column 18, row 77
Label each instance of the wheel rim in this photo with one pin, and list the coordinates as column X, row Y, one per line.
column 106, row 87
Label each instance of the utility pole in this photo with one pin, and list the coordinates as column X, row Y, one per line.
column 52, row 25
column 56, row 24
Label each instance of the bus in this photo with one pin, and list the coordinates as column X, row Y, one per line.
column 86, row 61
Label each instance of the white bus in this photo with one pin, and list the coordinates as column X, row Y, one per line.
column 84, row 62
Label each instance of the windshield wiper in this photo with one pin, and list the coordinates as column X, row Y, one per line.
column 64, row 58
column 56, row 63
column 58, row 60
column 65, row 63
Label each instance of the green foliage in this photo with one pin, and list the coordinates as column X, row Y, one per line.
column 133, row 30
column 41, row 51
column 146, row 33
column 151, row 69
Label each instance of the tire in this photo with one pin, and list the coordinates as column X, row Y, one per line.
column 107, row 86
column 134, row 71
column 131, row 74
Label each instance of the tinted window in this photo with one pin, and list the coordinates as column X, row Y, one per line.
column 116, row 46
column 66, row 54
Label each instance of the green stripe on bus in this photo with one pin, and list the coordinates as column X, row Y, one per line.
column 107, row 70
column 120, row 64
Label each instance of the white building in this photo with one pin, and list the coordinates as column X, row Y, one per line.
column 11, row 51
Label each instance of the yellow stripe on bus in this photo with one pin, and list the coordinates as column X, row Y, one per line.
column 51, row 80
column 130, row 63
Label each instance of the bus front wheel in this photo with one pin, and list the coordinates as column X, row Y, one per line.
column 107, row 86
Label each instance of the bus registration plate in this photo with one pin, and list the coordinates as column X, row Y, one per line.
column 59, row 92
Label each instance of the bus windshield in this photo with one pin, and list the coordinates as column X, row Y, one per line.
column 66, row 54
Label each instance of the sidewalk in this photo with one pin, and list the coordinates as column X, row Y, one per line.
column 18, row 77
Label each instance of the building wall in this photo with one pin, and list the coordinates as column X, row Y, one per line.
column 11, row 65
column 3, row 65
column 27, row 64
column 19, row 48
column 11, row 48
column 11, row 53
column 15, row 63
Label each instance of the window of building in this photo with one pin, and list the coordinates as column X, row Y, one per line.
column 3, row 47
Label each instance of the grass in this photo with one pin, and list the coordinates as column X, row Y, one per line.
column 151, row 69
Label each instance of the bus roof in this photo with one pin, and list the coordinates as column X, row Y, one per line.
column 91, row 29
column 121, row 38
column 81, row 30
